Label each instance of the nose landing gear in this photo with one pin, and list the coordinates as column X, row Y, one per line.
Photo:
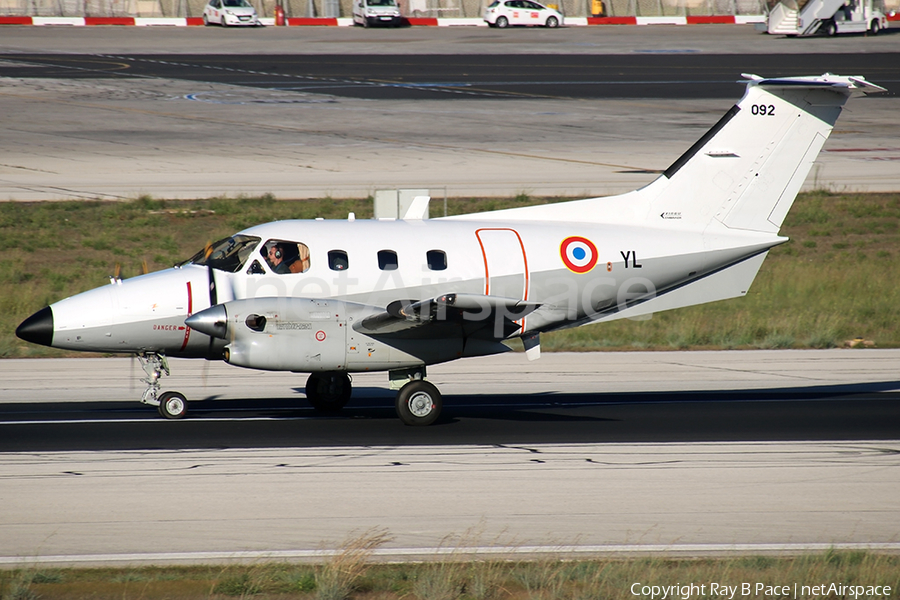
column 171, row 405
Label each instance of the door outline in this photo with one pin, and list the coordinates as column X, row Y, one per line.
column 487, row 275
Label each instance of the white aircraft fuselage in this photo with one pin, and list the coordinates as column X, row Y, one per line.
column 332, row 297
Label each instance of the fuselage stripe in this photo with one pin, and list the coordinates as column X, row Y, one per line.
column 190, row 311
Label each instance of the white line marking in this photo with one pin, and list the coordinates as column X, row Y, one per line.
column 398, row 554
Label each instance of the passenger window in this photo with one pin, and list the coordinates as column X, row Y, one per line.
column 437, row 260
column 387, row 260
column 285, row 256
column 337, row 260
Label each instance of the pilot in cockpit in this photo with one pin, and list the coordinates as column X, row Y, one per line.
column 277, row 259
column 287, row 257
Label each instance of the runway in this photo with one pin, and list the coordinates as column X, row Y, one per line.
column 697, row 453
column 460, row 77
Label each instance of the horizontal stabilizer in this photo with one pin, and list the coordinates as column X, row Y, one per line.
column 854, row 85
column 731, row 282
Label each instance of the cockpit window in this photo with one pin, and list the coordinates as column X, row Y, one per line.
column 285, row 256
column 228, row 254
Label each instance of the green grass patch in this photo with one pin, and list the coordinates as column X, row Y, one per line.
column 834, row 281
column 547, row 579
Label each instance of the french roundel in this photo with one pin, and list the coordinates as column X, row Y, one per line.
column 579, row 254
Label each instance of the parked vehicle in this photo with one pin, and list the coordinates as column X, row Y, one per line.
column 829, row 17
column 230, row 12
column 503, row 13
column 376, row 12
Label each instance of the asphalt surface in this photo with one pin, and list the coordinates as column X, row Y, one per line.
column 429, row 77
column 567, row 398
column 851, row 413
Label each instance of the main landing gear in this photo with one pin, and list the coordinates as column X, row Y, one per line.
column 171, row 405
column 418, row 402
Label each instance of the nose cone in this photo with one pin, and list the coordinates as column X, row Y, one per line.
column 213, row 322
column 38, row 328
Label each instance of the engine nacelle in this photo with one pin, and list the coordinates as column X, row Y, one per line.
column 307, row 335
column 280, row 334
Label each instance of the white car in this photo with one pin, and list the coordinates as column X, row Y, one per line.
column 230, row 12
column 503, row 13
column 376, row 12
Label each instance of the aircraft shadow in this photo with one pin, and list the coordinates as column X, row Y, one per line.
column 862, row 411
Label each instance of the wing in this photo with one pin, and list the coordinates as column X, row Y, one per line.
column 450, row 315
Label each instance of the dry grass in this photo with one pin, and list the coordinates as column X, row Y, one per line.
column 338, row 578
column 547, row 579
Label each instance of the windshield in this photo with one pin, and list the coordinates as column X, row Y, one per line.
column 228, row 254
column 236, row 3
column 381, row 3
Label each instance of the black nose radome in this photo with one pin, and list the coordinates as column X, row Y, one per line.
column 38, row 328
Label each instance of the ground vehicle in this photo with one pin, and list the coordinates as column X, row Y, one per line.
column 376, row 12
column 830, row 17
column 230, row 12
column 503, row 13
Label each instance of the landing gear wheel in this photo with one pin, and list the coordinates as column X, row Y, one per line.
column 172, row 405
column 328, row 392
column 418, row 403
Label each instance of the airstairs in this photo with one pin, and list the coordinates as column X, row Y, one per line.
column 801, row 17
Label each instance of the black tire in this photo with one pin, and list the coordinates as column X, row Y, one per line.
column 876, row 27
column 829, row 28
column 419, row 403
column 552, row 22
column 223, row 22
column 502, row 22
column 205, row 21
column 172, row 405
column 328, row 392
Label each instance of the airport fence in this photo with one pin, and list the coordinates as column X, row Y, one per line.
column 342, row 8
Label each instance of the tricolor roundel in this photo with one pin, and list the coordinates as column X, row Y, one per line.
column 579, row 254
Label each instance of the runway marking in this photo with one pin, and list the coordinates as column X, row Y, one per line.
column 406, row 554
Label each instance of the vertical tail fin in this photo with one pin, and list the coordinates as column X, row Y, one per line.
column 746, row 171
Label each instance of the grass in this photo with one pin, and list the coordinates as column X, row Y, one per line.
column 547, row 579
column 834, row 281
